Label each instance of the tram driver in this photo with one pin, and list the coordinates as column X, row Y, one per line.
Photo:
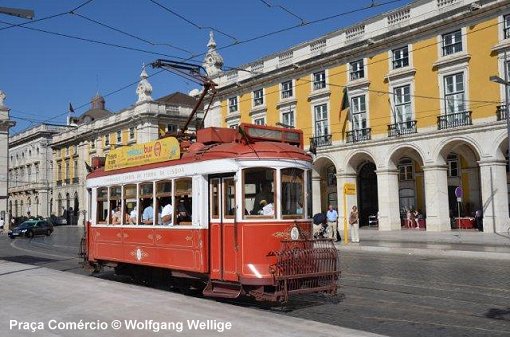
column 264, row 194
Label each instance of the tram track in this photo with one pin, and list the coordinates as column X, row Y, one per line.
column 394, row 304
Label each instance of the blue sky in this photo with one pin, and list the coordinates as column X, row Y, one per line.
column 42, row 72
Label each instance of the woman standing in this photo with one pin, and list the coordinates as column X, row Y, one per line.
column 354, row 222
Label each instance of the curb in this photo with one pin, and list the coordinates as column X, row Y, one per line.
column 427, row 252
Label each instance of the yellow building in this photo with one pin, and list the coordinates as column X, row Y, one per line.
column 397, row 109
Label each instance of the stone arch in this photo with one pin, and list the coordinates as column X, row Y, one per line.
column 461, row 156
column 408, row 161
column 324, row 183
column 362, row 164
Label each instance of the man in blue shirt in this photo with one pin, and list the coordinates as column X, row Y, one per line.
column 332, row 217
column 148, row 215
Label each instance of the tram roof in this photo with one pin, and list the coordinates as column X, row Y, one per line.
column 199, row 152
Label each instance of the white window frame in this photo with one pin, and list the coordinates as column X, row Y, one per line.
column 259, row 120
column 454, row 93
column 233, row 104
column 322, row 76
column 505, row 34
column 287, row 92
column 325, row 125
column 451, row 70
column 398, row 117
column 286, row 112
column 258, row 100
column 132, row 133
column 357, row 70
column 401, row 52
column 455, row 42
column 119, row 136
column 355, row 124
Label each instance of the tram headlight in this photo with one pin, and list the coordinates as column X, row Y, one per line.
column 294, row 233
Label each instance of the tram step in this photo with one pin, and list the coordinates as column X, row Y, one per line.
column 222, row 289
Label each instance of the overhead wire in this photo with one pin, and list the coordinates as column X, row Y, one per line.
column 131, row 35
column 285, row 10
column 200, row 27
column 307, row 23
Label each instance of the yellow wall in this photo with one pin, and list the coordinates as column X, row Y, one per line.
column 426, row 100
column 337, row 119
column 271, row 99
column 480, row 40
column 303, row 112
column 426, row 84
column 379, row 108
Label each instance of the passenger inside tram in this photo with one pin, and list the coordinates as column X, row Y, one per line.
column 183, row 213
column 148, row 213
column 167, row 212
column 265, row 194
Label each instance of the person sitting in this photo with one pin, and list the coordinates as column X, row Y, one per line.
column 166, row 215
column 132, row 216
column 182, row 212
column 148, row 215
column 264, row 194
column 266, row 208
column 116, row 217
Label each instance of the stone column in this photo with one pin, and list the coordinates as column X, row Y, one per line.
column 5, row 125
column 436, row 198
column 316, row 193
column 345, row 201
column 387, row 187
column 494, row 196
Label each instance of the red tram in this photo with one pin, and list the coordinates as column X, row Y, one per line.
column 228, row 214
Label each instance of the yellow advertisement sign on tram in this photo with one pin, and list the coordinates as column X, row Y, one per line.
column 141, row 154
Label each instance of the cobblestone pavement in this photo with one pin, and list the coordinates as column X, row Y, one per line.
column 389, row 294
column 399, row 295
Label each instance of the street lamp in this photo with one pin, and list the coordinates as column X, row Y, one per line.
column 505, row 82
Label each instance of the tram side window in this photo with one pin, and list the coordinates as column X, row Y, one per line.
column 183, row 203
column 259, row 192
column 146, row 212
column 164, row 203
column 102, row 205
column 230, row 198
column 129, row 213
column 292, row 193
column 214, row 196
column 115, row 203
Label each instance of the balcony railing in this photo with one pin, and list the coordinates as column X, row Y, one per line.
column 360, row 135
column 501, row 112
column 320, row 141
column 454, row 120
column 403, row 128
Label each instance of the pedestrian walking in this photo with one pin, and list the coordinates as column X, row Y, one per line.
column 332, row 217
column 354, row 222
column 2, row 223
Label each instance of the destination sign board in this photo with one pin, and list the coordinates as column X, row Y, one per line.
column 141, row 154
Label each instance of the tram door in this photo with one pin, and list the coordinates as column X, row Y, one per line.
column 222, row 228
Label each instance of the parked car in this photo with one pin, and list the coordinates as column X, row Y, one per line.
column 31, row 228
column 57, row 220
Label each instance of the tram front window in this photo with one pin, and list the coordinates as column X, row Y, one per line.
column 259, row 192
column 102, row 205
column 292, row 193
column 146, row 212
